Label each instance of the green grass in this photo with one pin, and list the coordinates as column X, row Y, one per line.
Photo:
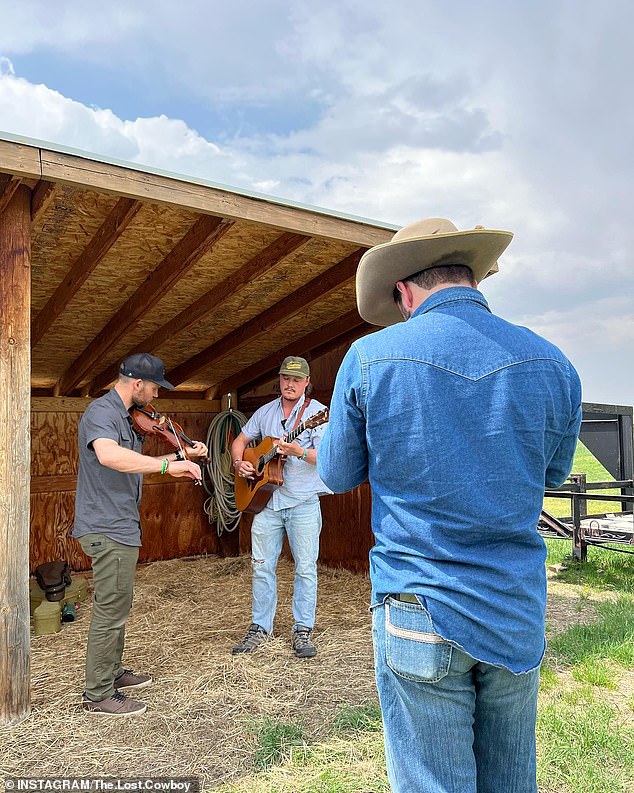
column 276, row 740
column 583, row 749
column 597, row 672
column 610, row 639
column 362, row 717
column 604, row 570
column 585, row 463
column 585, row 722
column 548, row 678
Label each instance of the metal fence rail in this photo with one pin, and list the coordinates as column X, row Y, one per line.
column 584, row 529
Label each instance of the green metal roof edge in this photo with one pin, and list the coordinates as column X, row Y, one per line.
column 43, row 144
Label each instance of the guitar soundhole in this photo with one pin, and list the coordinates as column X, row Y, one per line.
column 260, row 467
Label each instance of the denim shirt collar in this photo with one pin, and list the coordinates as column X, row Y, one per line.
column 452, row 294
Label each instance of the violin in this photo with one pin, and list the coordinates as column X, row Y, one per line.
column 147, row 421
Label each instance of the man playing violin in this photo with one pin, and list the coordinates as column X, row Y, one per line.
column 107, row 526
column 293, row 509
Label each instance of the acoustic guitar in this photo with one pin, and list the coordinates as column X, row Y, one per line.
column 252, row 494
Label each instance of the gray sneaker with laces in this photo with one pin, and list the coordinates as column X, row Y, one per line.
column 256, row 635
column 129, row 679
column 302, row 642
column 116, row 705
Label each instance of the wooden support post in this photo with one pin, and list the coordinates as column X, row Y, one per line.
column 581, row 481
column 15, row 455
column 579, row 545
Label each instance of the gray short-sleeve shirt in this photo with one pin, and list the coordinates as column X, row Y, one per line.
column 107, row 501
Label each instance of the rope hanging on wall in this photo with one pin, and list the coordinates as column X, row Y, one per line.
column 220, row 507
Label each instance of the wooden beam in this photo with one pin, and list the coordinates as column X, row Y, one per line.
column 259, row 264
column 196, row 242
column 323, row 348
column 346, row 338
column 262, row 371
column 209, row 198
column 41, row 198
column 21, row 159
column 288, row 307
column 169, row 405
column 15, row 376
column 32, row 161
column 111, row 229
column 68, row 482
column 8, row 186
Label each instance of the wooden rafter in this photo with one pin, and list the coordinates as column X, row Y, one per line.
column 259, row 264
column 283, row 310
column 41, row 198
column 8, row 186
column 197, row 241
column 111, row 229
column 262, row 371
column 345, row 338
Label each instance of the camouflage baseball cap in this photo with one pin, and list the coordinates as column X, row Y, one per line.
column 297, row 367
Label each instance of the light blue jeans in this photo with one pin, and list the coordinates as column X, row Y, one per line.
column 302, row 525
column 452, row 724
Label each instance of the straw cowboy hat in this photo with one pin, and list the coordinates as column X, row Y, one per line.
column 417, row 247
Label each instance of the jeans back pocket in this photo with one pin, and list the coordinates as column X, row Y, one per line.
column 413, row 648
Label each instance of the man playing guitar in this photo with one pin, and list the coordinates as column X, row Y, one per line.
column 292, row 509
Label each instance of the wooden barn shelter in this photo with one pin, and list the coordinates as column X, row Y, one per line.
column 99, row 259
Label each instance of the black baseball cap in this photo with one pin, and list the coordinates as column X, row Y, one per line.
column 144, row 366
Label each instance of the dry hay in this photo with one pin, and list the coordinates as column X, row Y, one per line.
column 205, row 703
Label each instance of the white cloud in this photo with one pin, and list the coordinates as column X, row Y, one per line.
column 516, row 116
column 39, row 112
column 598, row 336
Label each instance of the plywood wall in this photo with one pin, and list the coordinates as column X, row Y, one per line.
column 346, row 535
column 172, row 516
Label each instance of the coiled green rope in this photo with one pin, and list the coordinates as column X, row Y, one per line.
column 220, row 507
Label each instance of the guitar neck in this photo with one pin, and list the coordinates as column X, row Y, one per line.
column 288, row 438
column 294, row 433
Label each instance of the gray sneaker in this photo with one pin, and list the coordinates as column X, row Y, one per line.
column 116, row 705
column 129, row 679
column 256, row 635
column 302, row 642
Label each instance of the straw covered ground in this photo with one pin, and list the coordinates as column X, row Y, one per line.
column 205, row 704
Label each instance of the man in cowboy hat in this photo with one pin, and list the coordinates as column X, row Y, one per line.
column 459, row 419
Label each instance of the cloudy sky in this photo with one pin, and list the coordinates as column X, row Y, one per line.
column 507, row 113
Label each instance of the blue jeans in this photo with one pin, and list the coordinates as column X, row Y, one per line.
column 452, row 724
column 302, row 525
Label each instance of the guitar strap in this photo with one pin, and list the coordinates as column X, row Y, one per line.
column 301, row 413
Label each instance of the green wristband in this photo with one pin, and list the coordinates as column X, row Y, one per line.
column 305, row 455
column 164, row 465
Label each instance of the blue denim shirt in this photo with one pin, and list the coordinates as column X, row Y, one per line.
column 301, row 480
column 460, row 420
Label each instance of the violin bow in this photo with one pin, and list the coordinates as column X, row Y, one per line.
column 180, row 445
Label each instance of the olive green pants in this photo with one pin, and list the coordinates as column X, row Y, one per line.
column 113, row 566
